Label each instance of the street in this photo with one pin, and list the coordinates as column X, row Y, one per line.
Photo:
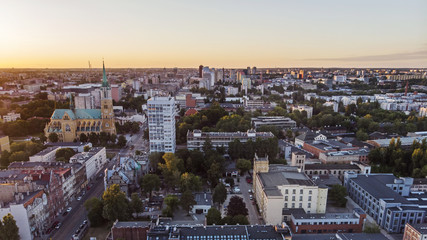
column 72, row 221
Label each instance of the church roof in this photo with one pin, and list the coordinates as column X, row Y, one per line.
column 77, row 113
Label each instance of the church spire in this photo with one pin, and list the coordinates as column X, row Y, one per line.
column 104, row 76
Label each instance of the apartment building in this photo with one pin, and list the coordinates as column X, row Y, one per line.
column 278, row 187
column 161, row 124
column 196, row 139
column 93, row 160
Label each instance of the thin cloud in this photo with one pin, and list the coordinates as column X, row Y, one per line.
column 384, row 57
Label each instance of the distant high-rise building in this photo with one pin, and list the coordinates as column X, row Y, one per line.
column 253, row 70
column 200, row 71
column 301, row 74
column 161, row 124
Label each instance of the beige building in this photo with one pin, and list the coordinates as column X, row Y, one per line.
column 278, row 186
column 4, row 143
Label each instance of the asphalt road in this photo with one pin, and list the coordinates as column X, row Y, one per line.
column 72, row 221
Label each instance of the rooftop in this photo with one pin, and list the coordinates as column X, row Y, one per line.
column 131, row 224
column 421, row 228
column 375, row 184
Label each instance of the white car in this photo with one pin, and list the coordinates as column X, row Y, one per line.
column 236, row 190
column 79, row 198
column 69, row 209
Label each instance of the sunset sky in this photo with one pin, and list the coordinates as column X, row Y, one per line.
column 217, row 33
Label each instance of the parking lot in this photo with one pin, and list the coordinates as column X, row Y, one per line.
column 254, row 217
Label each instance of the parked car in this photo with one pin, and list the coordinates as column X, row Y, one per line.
column 79, row 198
column 69, row 209
column 58, row 226
column 251, row 197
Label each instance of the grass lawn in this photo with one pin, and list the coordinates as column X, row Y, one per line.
column 98, row 232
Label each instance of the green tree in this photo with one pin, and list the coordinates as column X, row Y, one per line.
column 243, row 165
column 135, row 203
column 214, row 174
column 190, row 182
column 172, row 203
column 219, row 194
column 86, row 148
column 65, row 153
column 338, row 194
column 187, row 201
column 4, row 158
column 149, row 183
column 94, row 207
column 83, row 137
column 213, row 216
column 237, row 207
column 20, row 156
column 116, row 205
column 241, row 220
column 155, row 159
column 10, row 230
column 361, row 135
column 121, row 141
column 53, row 137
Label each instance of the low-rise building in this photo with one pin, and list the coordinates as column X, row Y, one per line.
column 276, row 121
column 328, row 222
column 76, row 146
column 203, row 203
column 10, row 117
column 360, row 155
column 419, row 185
column 47, row 155
column 337, row 170
column 317, row 147
column 278, row 187
column 196, row 139
column 129, row 230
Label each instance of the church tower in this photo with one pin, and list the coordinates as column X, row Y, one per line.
column 107, row 111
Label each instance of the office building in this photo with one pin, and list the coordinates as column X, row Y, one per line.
column 161, row 124
column 307, row 109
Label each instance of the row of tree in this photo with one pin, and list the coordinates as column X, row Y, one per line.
column 401, row 161
column 20, row 152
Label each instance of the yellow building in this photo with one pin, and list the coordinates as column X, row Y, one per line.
column 68, row 124
column 4, row 143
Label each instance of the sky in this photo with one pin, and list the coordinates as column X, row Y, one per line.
column 216, row 33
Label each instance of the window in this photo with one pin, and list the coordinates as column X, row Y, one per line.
column 310, row 192
column 293, row 198
column 286, row 191
column 300, row 198
column 309, row 198
column 286, row 198
column 294, row 191
column 309, row 205
column 301, row 191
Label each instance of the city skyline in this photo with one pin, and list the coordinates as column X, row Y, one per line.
column 226, row 34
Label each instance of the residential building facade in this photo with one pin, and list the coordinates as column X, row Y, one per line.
column 161, row 124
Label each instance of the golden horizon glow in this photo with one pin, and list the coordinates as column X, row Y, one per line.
column 230, row 34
